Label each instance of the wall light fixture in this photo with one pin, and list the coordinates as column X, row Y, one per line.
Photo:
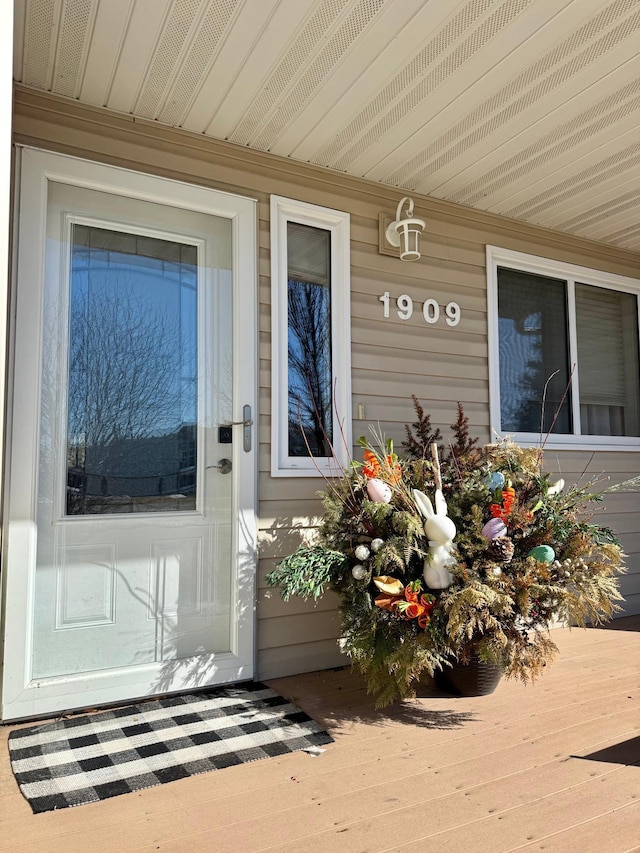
column 405, row 233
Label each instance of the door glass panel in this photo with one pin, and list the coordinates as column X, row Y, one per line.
column 132, row 374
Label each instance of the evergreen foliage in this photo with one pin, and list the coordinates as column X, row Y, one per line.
column 308, row 572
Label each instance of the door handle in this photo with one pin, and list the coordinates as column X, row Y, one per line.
column 246, row 425
column 224, row 466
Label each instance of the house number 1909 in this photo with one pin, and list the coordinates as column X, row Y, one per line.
column 430, row 309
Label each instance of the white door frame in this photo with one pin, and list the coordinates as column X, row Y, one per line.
column 6, row 112
column 23, row 697
column 6, row 108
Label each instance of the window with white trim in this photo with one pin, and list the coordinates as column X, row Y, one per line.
column 563, row 352
column 310, row 339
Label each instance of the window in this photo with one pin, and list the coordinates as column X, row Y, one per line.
column 131, row 418
column 310, row 334
column 564, row 357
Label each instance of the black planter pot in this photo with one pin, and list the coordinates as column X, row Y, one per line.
column 476, row 678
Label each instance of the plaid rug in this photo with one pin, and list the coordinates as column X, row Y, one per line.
column 91, row 757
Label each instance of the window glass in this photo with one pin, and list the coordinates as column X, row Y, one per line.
column 132, row 394
column 310, row 340
column 310, row 401
column 533, row 353
column 607, row 336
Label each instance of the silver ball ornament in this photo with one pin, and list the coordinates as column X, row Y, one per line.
column 376, row 545
column 362, row 552
column 359, row 572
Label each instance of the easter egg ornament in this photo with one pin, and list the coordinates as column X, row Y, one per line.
column 495, row 480
column 543, row 554
column 494, row 529
column 379, row 491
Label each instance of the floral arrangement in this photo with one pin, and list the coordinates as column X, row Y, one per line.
column 455, row 554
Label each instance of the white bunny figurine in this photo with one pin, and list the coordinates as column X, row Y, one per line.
column 440, row 531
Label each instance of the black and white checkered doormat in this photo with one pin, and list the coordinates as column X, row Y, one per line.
column 91, row 757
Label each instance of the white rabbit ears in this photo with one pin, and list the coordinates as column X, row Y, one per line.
column 425, row 506
column 423, row 503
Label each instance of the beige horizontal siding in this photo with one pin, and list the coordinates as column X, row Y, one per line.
column 303, row 657
column 273, row 513
column 391, row 359
column 413, row 338
column 275, row 608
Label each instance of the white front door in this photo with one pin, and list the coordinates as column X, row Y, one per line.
column 131, row 534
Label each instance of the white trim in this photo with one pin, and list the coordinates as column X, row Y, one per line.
column 6, row 100
column 495, row 257
column 21, row 696
column 284, row 210
column 6, row 212
column 573, row 357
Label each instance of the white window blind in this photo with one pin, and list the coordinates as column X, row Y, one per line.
column 606, row 324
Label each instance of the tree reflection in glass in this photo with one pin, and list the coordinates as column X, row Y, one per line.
column 309, row 340
column 534, row 348
column 132, row 380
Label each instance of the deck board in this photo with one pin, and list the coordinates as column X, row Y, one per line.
column 526, row 768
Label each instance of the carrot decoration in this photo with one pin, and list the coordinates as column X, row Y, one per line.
column 495, row 510
column 503, row 510
column 409, row 602
column 390, row 471
column 371, row 467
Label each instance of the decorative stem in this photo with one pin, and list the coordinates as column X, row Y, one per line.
column 436, row 465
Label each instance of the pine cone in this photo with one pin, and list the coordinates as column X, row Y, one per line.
column 501, row 549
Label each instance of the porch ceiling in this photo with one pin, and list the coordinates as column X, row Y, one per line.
column 525, row 108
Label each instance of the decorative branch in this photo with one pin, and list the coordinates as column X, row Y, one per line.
column 560, row 404
column 436, row 465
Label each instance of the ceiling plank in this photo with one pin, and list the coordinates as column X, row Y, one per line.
column 41, row 23
column 19, row 13
column 353, row 78
column 215, row 99
column 205, row 41
column 111, row 25
column 145, row 27
column 282, row 70
column 585, row 175
column 521, row 101
column 470, row 85
column 497, row 171
column 74, row 38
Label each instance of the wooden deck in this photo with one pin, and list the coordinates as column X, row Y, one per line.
column 553, row 767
